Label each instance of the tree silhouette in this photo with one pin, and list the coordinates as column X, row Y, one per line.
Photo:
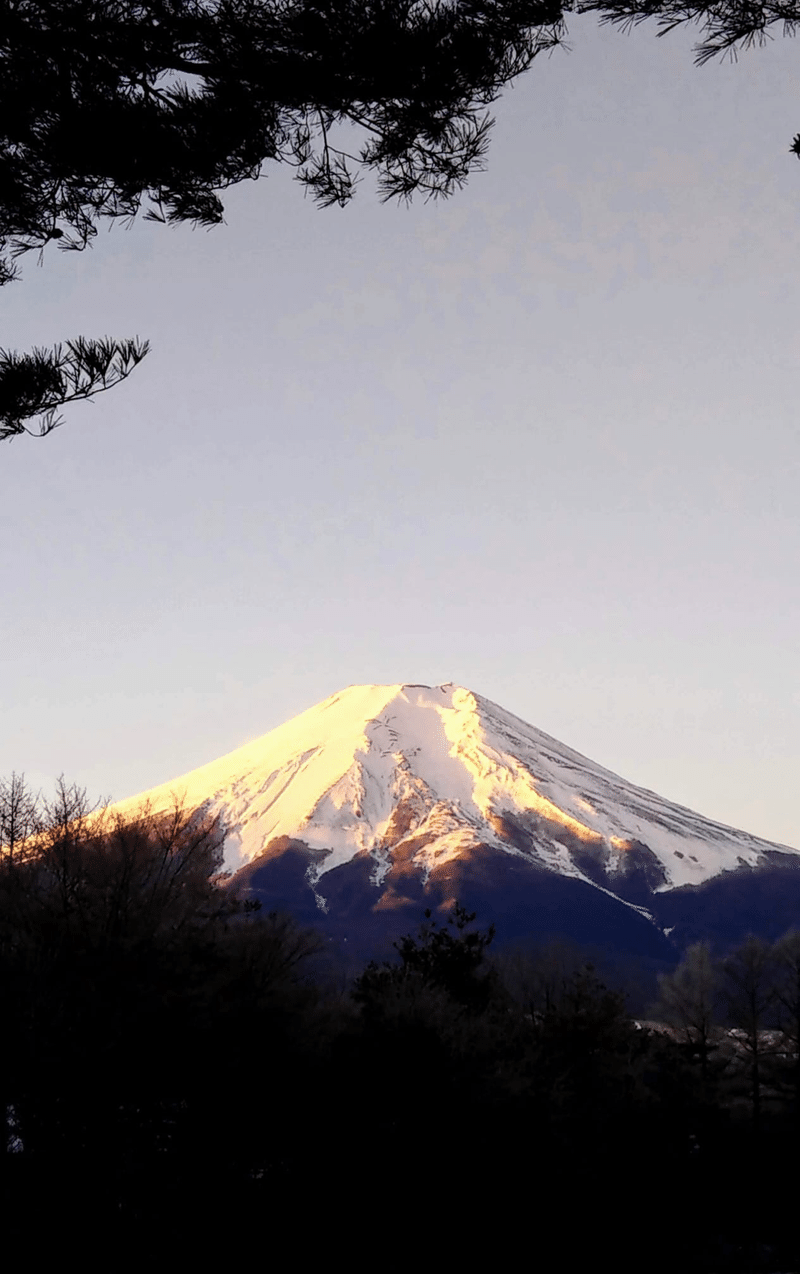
column 112, row 107
column 19, row 813
column 37, row 384
column 131, row 977
column 109, row 103
column 687, row 1000
column 750, row 995
column 786, row 955
column 445, row 958
column 727, row 25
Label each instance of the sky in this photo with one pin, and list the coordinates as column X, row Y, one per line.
column 540, row 439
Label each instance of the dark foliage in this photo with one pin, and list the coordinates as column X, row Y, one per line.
column 106, row 103
column 445, row 958
column 728, row 25
column 37, row 384
column 111, row 107
column 168, row 1064
column 133, row 988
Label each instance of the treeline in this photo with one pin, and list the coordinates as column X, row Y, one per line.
column 175, row 1062
column 739, row 1019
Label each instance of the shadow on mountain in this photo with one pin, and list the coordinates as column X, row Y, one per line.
column 278, row 879
column 524, row 901
column 763, row 900
column 631, row 870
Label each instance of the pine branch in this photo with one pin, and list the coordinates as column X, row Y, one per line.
column 37, row 384
column 99, row 121
column 728, row 25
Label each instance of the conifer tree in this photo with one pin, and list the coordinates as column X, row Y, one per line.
column 109, row 108
column 727, row 25
column 446, row 958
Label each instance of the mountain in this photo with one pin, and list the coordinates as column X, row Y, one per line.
column 383, row 800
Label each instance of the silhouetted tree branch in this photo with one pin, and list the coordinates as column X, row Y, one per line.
column 109, row 104
column 111, row 107
column 37, row 384
column 728, row 25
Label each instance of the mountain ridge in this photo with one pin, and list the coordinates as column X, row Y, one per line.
column 402, row 788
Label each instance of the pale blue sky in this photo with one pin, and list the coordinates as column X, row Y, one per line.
column 541, row 440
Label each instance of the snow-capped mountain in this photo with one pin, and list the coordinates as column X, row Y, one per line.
column 409, row 789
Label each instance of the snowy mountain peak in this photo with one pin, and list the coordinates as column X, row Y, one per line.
column 425, row 775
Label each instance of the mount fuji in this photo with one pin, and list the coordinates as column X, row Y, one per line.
column 383, row 800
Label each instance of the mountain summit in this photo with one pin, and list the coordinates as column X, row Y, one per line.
column 384, row 797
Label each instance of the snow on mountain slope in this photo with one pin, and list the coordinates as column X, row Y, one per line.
column 432, row 772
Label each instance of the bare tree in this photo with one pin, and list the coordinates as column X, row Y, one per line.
column 19, row 807
column 750, row 995
column 80, row 871
column 536, row 978
column 786, row 954
column 161, row 870
column 687, row 1000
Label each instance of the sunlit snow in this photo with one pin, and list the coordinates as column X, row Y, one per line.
column 437, row 769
